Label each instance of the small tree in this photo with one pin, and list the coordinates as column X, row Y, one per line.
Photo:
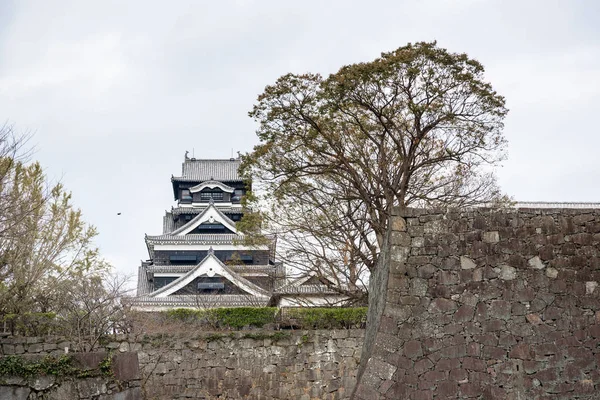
column 46, row 249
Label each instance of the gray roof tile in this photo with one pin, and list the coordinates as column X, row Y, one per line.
column 186, row 268
column 194, row 170
column 223, row 300
column 209, row 238
column 168, row 223
column 197, row 210
column 144, row 287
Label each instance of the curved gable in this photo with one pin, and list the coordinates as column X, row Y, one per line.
column 211, row 185
column 210, row 215
column 210, row 265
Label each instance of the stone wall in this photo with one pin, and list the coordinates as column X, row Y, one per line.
column 490, row 304
column 118, row 379
column 240, row 365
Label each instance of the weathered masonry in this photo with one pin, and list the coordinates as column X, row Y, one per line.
column 493, row 304
column 267, row 365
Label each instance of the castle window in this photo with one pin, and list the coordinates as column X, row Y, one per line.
column 186, row 196
column 211, row 283
column 183, row 259
column 206, row 196
column 237, row 195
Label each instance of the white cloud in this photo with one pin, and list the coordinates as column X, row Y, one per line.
column 117, row 91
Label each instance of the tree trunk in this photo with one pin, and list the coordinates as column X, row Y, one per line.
column 378, row 283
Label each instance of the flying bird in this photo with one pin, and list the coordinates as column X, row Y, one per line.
column 118, row 213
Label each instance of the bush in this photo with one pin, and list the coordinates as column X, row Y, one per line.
column 30, row 323
column 226, row 318
column 300, row 318
column 244, row 316
column 326, row 318
column 184, row 314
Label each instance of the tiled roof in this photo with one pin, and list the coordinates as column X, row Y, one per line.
column 178, row 269
column 144, row 287
column 198, row 210
column 194, row 170
column 219, row 300
column 550, row 204
column 305, row 289
column 168, row 223
column 208, row 238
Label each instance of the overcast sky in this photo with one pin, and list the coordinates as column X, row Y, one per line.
column 117, row 91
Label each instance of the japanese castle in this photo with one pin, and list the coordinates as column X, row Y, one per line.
column 200, row 259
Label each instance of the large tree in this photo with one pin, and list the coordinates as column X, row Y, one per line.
column 418, row 126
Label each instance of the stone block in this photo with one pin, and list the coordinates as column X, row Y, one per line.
column 454, row 351
column 398, row 224
column 447, row 390
column 422, row 365
column 499, row 309
column 494, row 325
column 418, row 287
column 469, row 389
column 91, row 387
column 534, row 319
column 551, row 273
column 491, row 237
column 507, row 272
column 14, row 393
column 464, row 313
column 447, row 364
column 401, row 239
column 426, row 271
column 473, row 364
column 521, row 351
column 526, row 294
column 35, row 348
column 458, row 375
column 381, row 369
column 42, row 382
column 473, row 349
column 441, row 305
column 536, row 263
column 413, row 349
column 422, row 395
column 467, row 263
column 488, row 339
column 448, row 278
column 126, row 366
column 590, row 287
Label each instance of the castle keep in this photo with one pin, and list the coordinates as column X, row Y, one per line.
column 200, row 259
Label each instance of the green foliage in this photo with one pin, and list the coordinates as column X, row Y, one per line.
column 49, row 365
column 238, row 318
column 62, row 366
column 226, row 318
column 31, row 323
column 105, row 366
column 301, row 318
column 327, row 318
column 184, row 314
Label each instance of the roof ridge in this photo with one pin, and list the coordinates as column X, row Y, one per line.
column 212, row 159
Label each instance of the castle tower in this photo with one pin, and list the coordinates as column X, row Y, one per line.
column 200, row 260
